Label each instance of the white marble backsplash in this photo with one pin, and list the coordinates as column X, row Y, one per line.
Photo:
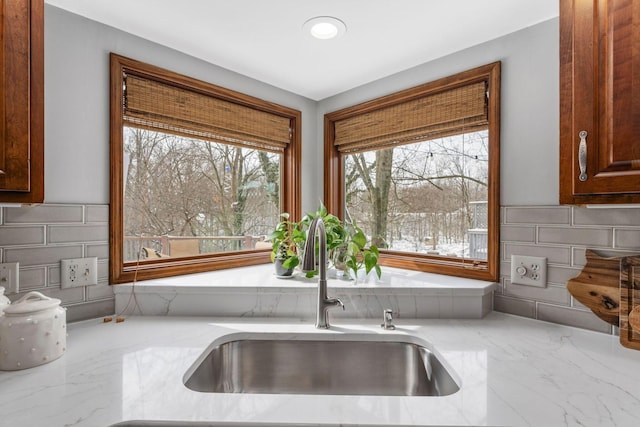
column 257, row 292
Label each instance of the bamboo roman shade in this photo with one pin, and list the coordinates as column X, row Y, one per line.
column 163, row 107
column 427, row 117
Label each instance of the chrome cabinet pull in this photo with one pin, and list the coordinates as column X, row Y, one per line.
column 582, row 155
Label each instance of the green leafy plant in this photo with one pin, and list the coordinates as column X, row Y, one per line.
column 333, row 226
column 359, row 253
column 285, row 239
column 347, row 245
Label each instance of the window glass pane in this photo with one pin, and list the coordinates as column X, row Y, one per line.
column 185, row 197
column 428, row 197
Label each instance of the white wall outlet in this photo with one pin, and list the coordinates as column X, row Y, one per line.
column 78, row 272
column 529, row 270
column 9, row 275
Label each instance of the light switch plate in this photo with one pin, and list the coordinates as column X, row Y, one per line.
column 529, row 271
column 9, row 275
column 78, row 272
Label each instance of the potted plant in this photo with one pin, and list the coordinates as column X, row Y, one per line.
column 347, row 246
column 285, row 239
column 333, row 227
column 358, row 253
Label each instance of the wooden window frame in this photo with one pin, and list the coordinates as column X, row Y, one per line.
column 335, row 184
column 122, row 272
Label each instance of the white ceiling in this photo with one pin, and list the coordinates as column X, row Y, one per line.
column 263, row 39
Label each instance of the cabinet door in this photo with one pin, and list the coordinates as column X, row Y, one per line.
column 599, row 101
column 21, row 101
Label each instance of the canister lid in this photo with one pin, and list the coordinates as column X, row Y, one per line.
column 31, row 303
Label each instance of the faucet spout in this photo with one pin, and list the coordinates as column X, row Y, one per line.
column 309, row 264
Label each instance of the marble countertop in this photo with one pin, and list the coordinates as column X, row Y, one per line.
column 512, row 371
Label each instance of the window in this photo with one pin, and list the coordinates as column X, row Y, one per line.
column 418, row 170
column 199, row 176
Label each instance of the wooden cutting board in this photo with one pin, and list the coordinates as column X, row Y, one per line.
column 598, row 286
column 630, row 302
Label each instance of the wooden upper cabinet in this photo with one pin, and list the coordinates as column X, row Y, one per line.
column 599, row 101
column 22, row 101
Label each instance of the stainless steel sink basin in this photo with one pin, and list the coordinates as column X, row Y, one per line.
column 342, row 365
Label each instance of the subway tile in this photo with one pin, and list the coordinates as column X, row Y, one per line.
column 13, row 236
column 579, row 259
column 572, row 317
column 552, row 294
column 517, row 234
column 514, row 306
column 100, row 251
column 77, row 233
column 103, row 271
column 608, row 216
column 43, row 214
column 42, row 255
column 90, row 310
column 54, row 275
column 537, row 215
column 32, row 278
column 96, row 213
column 577, row 304
column 554, row 254
column 576, row 236
column 627, row 238
column 561, row 275
column 66, row 296
column 100, row 291
column 505, row 268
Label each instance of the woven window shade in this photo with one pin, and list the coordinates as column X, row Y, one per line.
column 451, row 112
column 162, row 107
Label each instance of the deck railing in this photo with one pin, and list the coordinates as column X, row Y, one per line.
column 178, row 246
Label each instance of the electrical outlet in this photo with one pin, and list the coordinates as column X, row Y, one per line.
column 78, row 272
column 529, row 270
column 9, row 275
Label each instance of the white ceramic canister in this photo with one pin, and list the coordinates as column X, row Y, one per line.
column 33, row 331
column 4, row 301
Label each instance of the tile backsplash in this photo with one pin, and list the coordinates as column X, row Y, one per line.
column 39, row 236
column 561, row 234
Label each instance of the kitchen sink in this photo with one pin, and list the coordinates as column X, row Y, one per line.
column 345, row 364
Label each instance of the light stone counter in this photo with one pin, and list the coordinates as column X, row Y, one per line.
column 512, row 371
column 256, row 292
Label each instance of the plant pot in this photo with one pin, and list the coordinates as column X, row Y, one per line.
column 282, row 271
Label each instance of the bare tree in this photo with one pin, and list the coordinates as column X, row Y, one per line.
column 187, row 187
column 419, row 191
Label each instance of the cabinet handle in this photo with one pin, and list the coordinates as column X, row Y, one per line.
column 582, row 155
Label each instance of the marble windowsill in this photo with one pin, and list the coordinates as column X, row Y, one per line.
column 256, row 292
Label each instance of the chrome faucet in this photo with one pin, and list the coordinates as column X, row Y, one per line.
column 309, row 264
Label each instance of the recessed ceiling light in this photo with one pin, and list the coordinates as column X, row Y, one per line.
column 324, row 27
